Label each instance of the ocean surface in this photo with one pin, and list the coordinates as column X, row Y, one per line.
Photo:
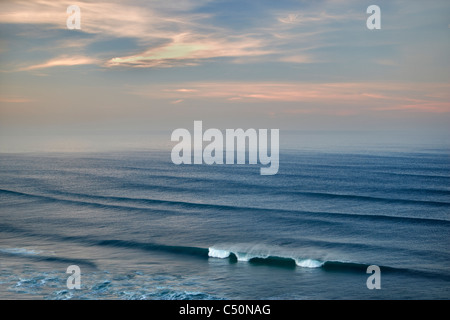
column 140, row 227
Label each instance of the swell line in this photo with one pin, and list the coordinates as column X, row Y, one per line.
column 216, row 207
column 370, row 198
column 46, row 258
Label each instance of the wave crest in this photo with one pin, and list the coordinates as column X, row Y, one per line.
column 263, row 255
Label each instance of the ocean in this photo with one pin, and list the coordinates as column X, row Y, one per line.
column 140, row 227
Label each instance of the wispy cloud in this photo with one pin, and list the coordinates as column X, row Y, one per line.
column 332, row 98
column 14, row 100
column 291, row 18
column 329, row 12
column 61, row 61
column 422, row 106
column 298, row 59
column 173, row 37
column 109, row 20
column 117, row 19
column 187, row 49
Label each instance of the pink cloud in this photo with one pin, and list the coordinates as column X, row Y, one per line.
column 297, row 59
column 329, row 98
column 61, row 61
column 14, row 100
column 419, row 107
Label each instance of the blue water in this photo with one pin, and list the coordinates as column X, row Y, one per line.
column 140, row 227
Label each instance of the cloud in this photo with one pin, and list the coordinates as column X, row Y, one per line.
column 326, row 14
column 290, row 18
column 186, row 90
column 14, row 100
column 423, row 106
column 188, row 49
column 297, row 59
column 173, row 37
column 323, row 98
column 163, row 34
column 61, row 61
column 106, row 18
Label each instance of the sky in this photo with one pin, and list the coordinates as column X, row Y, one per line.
column 138, row 67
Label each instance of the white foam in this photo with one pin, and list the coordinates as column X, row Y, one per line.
column 308, row 263
column 242, row 256
column 218, row 253
column 246, row 252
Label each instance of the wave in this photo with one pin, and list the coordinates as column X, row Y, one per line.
column 324, row 195
column 254, row 254
column 250, row 256
column 20, row 251
column 192, row 251
column 130, row 204
column 321, row 195
column 280, row 257
column 36, row 255
column 262, row 255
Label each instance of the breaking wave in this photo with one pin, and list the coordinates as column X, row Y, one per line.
column 262, row 255
column 281, row 257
